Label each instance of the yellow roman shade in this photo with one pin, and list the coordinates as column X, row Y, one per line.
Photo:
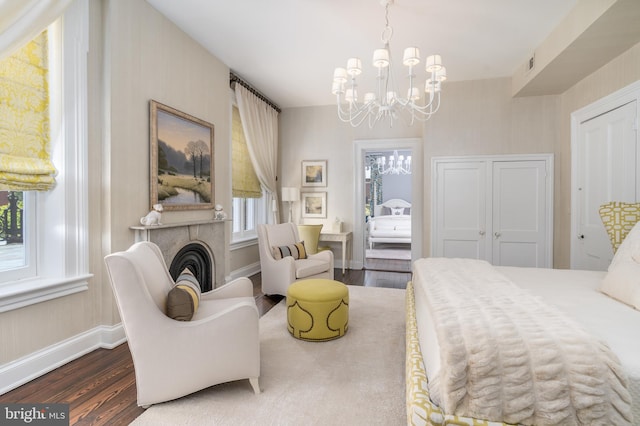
column 25, row 162
column 245, row 183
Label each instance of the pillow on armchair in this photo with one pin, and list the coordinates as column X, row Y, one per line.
column 184, row 297
column 297, row 251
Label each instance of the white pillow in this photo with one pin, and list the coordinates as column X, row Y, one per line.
column 622, row 281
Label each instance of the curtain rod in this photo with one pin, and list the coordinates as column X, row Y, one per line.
column 233, row 78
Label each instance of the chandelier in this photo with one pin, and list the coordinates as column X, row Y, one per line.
column 396, row 165
column 385, row 101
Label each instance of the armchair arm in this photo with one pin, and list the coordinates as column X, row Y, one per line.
column 240, row 287
column 325, row 256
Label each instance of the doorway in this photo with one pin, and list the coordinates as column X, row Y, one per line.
column 372, row 191
column 387, row 210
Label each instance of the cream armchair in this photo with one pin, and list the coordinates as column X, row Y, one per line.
column 175, row 358
column 278, row 274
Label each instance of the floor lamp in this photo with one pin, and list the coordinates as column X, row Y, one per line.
column 290, row 195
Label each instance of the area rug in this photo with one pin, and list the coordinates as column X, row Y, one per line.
column 394, row 254
column 357, row 379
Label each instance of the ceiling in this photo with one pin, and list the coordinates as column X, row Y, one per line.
column 288, row 49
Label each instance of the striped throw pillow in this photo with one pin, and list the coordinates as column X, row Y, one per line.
column 297, row 251
column 183, row 299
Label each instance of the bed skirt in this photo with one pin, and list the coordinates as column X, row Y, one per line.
column 420, row 409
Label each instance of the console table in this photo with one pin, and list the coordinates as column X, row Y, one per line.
column 342, row 237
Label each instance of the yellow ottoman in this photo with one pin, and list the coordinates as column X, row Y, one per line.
column 317, row 309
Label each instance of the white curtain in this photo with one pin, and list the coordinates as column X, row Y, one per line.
column 260, row 125
column 23, row 20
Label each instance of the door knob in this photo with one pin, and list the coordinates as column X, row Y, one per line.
column 481, row 233
column 497, row 234
column 581, row 236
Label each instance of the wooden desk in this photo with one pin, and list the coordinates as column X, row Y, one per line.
column 342, row 237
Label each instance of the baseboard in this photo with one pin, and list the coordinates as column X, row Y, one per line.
column 34, row 365
column 245, row 271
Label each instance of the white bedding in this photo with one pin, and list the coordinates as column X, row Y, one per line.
column 575, row 293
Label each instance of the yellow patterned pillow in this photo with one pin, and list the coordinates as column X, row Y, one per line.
column 618, row 219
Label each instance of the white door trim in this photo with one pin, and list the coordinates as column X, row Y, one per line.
column 417, row 181
column 599, row 107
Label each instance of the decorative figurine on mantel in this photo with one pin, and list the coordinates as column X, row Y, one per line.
column 153, row 217
column 218, row 213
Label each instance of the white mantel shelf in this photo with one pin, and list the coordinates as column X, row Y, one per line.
column 171, row 237
column 178, row 224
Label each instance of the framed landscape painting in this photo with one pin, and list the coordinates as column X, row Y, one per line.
column 314, row 204
column 181, row 159
column 314, row 173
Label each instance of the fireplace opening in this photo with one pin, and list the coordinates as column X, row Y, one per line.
column 197, row 259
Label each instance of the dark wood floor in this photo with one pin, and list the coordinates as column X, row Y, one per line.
column 100, row 387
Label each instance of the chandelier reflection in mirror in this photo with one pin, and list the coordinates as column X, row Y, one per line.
column 385, row 102
column 395, row 165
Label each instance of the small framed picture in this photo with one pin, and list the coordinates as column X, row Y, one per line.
column 314, row 173
column 314, row 205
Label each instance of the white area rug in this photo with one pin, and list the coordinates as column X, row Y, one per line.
column 390, row 253
column 357, row 379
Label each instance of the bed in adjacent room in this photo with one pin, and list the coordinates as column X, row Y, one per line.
column 524, row 345
column 391, row 223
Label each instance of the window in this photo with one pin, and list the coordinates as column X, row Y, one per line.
column 17, row 239
column 249, row 200
column 55, row 222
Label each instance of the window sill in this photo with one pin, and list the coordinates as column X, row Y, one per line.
column 243, row 242
column 21, row 293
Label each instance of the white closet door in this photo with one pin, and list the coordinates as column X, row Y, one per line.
column 606, row 172
column 519, row 214
column 461, row 194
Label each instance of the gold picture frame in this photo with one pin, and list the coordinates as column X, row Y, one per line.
column 181, row 159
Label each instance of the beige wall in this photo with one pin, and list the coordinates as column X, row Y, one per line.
column 135, row 55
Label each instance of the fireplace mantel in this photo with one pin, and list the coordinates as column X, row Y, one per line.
column 171, row 237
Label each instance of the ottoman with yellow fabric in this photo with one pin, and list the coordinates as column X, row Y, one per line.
column 317, row 309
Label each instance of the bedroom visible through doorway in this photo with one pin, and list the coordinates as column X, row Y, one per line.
column 387, row 210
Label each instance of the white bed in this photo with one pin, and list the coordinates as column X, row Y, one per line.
column 391, row 223
column 576, row 294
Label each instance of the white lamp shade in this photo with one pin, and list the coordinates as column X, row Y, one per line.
column 354, row 67
column 413, row 94
column 290, row 194
column 441, row 74
column 369, row 97
column 381, row 58
column 434, row 63
column 337, row 88
column 411, row 56
column 340, row 75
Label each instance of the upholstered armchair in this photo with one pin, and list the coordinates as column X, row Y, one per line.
column 174, row 358
column 278, row 274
